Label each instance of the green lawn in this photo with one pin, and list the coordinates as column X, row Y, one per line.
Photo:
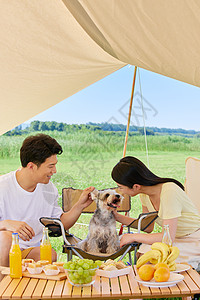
column 88, row 159
column 96, row 171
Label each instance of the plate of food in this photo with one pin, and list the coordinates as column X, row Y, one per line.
column 173, row 280
column 181, row 268
column 111, row 269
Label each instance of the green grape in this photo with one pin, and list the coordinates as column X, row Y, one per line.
column 76, row 275
column 66, row 265
column 86, row 273
column 90, row 262
column 92, row 272
column 81, row 281
column 72, row 266
column 98, row 262
column 76, row 281
column 71, row 277
column 86, row 266
column 80, row 271
column 88, row 279
column 80, row 262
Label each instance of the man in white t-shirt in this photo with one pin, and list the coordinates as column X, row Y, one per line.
column 28, row 194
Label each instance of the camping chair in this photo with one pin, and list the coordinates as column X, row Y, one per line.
column 192, row 180
column 69, row 197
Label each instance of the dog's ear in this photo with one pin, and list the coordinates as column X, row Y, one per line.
column 94, row 194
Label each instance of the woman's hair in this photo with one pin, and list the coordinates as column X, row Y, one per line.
column 37, row 148
column 130, row 170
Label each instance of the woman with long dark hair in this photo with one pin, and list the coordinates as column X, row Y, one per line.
column 165, row 195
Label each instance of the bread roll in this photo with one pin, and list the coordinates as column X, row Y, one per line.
column 120, row 265
column 58, row 263
column 110, row 267
column 51, row 267
column 43, row 262
column 26, row 261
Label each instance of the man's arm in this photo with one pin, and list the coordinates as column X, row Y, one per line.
column 69, row 218
column 23, row 229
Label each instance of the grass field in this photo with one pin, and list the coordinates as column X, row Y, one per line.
column 89, row 157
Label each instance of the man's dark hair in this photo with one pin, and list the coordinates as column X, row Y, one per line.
column 37, row 148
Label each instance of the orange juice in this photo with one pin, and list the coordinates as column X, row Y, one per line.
column 45, row 252
column 45, row 247
column 15, row 258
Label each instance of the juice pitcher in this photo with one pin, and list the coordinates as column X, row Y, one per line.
column 15, row 258
column 45, row 246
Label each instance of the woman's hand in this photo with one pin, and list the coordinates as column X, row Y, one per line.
column 127, row 238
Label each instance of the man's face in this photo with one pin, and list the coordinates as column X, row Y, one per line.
column 44, row 172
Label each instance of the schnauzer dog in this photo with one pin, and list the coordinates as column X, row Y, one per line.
column 102, row 236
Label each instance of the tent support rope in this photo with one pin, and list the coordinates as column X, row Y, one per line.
column 129, row 115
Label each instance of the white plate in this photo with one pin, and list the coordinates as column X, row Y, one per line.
column 111, row 274
column 173, row 280
column 51, row 272
column 181, row 268
column 37, row 270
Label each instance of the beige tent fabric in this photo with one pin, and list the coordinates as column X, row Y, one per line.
column 51, row 49
column 45, row 57
column 192, row 181
column 160, row 36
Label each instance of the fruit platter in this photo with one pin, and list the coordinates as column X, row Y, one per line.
column 157, row 267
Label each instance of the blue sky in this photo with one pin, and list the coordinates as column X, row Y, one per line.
column 167, row 102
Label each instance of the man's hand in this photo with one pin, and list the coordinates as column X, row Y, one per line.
column 23, row 229
column 85, row 199
column 126, row 239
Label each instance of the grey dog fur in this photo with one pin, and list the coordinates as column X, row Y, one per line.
column 102, row 236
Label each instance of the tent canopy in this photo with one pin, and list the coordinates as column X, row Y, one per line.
column 53, row 49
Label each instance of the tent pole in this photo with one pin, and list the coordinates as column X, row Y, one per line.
column 129, row 115
column 127, row 129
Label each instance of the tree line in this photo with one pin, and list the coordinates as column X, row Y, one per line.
column 64, row 127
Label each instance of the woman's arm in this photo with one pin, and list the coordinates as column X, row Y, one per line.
column 150, row 238
column 125, row 220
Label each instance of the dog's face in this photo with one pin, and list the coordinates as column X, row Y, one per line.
column 107, row 198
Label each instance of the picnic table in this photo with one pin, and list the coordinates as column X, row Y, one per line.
column 123, row 287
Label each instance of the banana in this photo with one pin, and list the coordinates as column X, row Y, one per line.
column 163, row 248
column 172, row 266
column 173, row 255
column 146, row 257
column 160, row 252
column 153, row 261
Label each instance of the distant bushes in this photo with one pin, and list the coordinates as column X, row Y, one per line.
column 108, row 127
column 81, row 144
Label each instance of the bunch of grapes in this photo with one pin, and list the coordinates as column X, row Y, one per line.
column 81, row 271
